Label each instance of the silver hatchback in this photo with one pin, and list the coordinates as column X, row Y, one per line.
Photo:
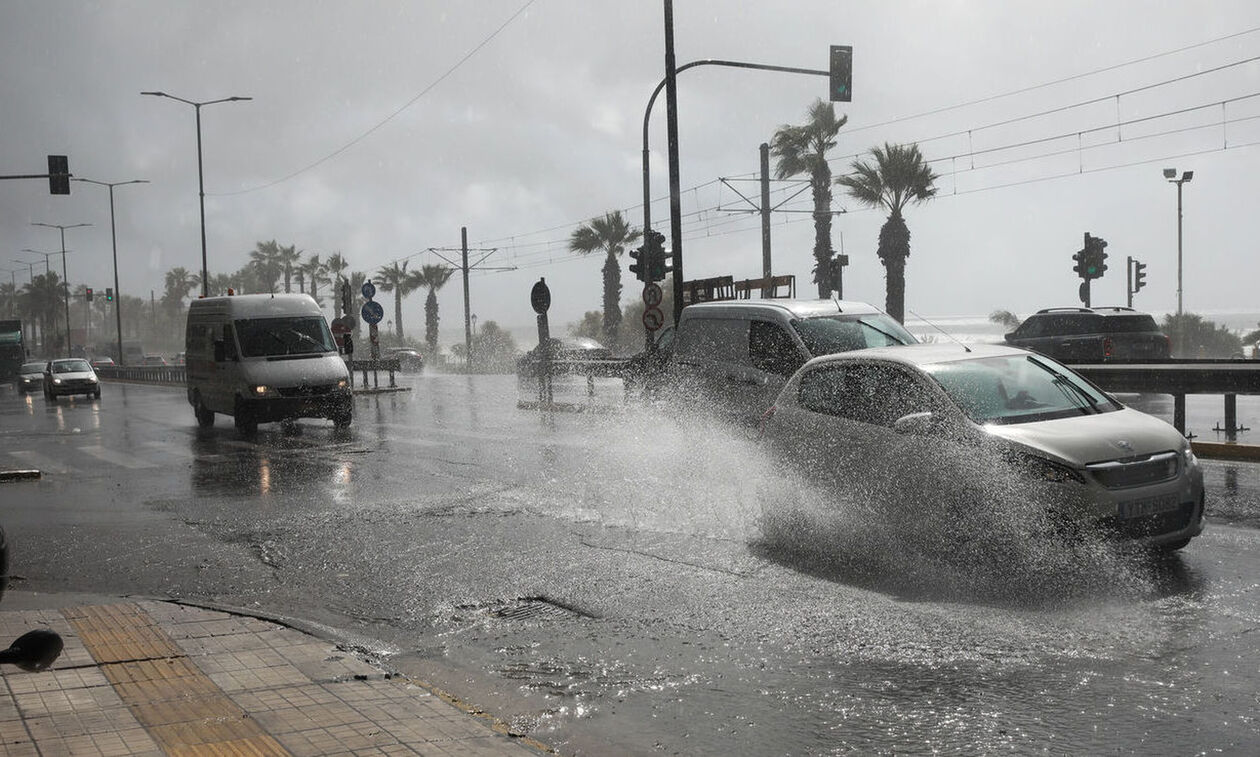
column 904, row 423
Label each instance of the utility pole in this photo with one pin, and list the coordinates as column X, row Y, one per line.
column 765, row 219
column 675, row 183
column 464, row 267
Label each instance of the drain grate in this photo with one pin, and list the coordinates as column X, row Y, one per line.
column 530, row 608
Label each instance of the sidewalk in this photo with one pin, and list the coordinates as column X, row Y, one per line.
column 152, row 678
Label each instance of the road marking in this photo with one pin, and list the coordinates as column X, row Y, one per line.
column 116, row 457
column 41, row 461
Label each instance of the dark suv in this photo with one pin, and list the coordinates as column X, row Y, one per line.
column 1092, row 335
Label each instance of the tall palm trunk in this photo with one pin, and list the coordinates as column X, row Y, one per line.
column 431, row 322
column 822, row 233
column 612, row 298
column 894, row 248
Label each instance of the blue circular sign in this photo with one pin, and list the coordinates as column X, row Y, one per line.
column 372, row 312
column 369, row 291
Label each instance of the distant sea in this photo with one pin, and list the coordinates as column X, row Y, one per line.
column 975, row 328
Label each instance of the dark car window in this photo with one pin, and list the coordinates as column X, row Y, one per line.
column 1124, row 324
column 1072, row 323
column 868, row 393
column 826, row 335
column 771, row 349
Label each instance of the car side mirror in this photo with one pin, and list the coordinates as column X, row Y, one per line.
column 921, row 424
column 220, row 352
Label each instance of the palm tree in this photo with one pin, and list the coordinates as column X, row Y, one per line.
column 434, row 277
column 803, row 149
column 264, row 264
column 42, row 298
column 288, row 258
column 336, row 265
column 400, row 281
column 178, row 283
column 315, row 272
column 898, row 177
column 612, row 235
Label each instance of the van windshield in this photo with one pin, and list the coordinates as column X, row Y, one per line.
column 828, row 334
column 270, row 337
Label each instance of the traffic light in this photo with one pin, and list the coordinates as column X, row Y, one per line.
column 88, row 294
column 1139, row 275
column 1092, row 261
column 1079, row 256
column 658, row 261
column 109, row 294
column 841, row 89
column 637, row 267
column 58, row 175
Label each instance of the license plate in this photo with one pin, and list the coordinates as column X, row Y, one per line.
column 1149, row 506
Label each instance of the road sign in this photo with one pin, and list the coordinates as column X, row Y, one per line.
column 653, row 318
column 540, row 296
column 369, row 290
column 372, row 312
column 652, row 295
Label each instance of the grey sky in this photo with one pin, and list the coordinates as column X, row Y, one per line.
column 540, row 130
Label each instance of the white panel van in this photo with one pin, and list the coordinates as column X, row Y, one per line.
column 262, row 358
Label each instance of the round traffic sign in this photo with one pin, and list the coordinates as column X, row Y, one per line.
column 369, row 290
column 653, row 318
column 372, row 312
column 540, row 296
column 652, row 294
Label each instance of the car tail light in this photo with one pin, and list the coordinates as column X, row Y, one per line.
column 1107, row 346
column 765, row 418
column 1168, row 345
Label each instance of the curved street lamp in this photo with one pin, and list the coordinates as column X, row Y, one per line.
column 65, row 277
column 201, row 185
column 113, row 235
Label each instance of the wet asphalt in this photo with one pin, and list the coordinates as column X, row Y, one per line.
column 618, row 581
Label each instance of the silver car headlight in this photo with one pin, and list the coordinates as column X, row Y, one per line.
column 56, row 381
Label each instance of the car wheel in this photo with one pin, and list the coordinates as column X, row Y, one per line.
column 96, row 394
column 205, row 416
column 244, row 420
column 1173, row 546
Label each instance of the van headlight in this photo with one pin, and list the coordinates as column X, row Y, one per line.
column 342, row 383
column 261, row 390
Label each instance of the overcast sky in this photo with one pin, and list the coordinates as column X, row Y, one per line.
column 368, row 136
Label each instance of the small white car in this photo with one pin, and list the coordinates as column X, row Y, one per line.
column 30, row 377
column 70, row 376
column 930, row 425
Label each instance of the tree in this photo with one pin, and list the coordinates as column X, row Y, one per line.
column 400, row 281
column 288, row 258
column 494, row 348
column 43, row 298
column 1192, row 337
column 1005, row 318
column 803, row 149
column 898, row 176
column 611, row 234
column 434, row 277
column 336, row 266
column 315, row 272
column 178, row 282
column 265, row 266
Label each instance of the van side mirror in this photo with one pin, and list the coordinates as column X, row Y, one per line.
column 220, row 353
column 921, row 424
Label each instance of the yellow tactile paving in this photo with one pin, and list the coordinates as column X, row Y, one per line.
column 182, row 709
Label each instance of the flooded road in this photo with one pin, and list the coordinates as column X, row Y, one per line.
column 607, row 582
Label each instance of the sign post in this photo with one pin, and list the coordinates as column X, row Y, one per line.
column 540, row 301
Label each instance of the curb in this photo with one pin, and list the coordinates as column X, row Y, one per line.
column 1226, row 451
column 20, row 475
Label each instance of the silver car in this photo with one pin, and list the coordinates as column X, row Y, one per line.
column 70, row 376
column 30, row 377
column 917, row 423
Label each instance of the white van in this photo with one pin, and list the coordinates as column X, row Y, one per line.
column 731, row 357
column 262, row 358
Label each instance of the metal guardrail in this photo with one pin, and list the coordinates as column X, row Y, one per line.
column 154, row 374
column 1179, row 378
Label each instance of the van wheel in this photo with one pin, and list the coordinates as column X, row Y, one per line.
column 96, row 394
column 205, row 416
column 244, row 420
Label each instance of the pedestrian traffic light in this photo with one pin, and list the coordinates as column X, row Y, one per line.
column 109, row 294
column 88, row 294
column 637, row 267
column 1139, row 275
column 841, row 89
column 58, row 175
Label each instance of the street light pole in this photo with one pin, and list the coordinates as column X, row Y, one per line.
column 201, row 186
column 65, row 276
column 113, row 235
column 1171, row 175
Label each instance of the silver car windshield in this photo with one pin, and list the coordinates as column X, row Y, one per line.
column 1018, row 389
column 829, row 334
column 71, row 366
column 272, row 337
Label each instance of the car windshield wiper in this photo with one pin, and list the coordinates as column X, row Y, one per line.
column 873, row 327
column 1069, row 388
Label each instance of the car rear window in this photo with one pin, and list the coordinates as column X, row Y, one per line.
column 825, row 335
column 1072, row 323
column 1120, row 324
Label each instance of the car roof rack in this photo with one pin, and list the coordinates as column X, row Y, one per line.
column 1065, row 310
column 1114, row 308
